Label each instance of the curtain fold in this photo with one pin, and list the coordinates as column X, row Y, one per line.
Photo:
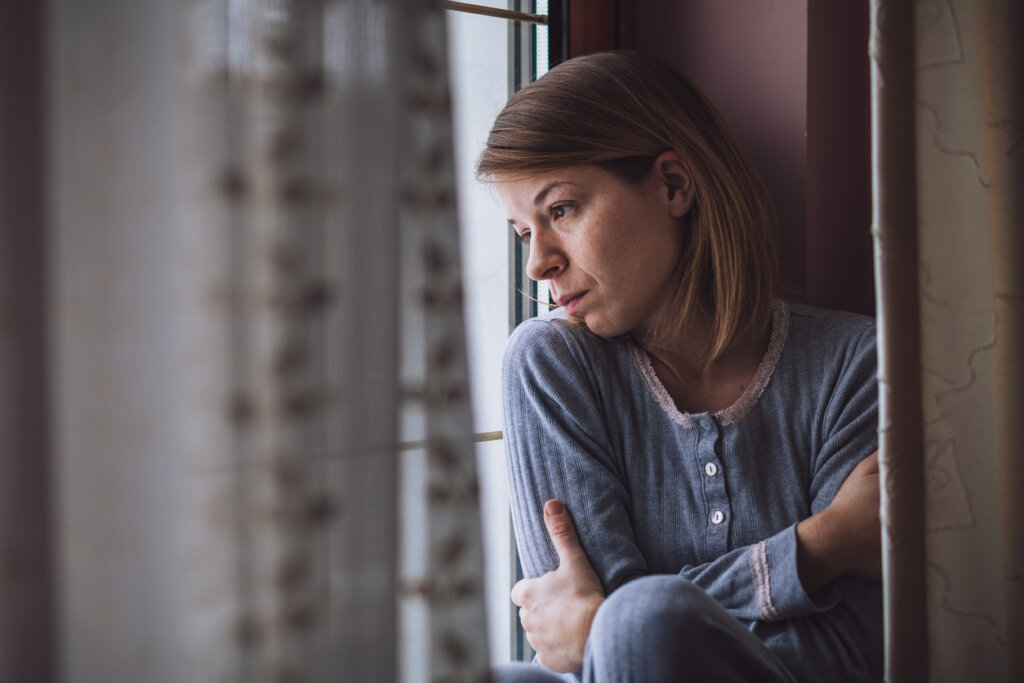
column 948, row 217
column 444, row 583
column 247, row 208
column 899, row 374
column 1003, row 38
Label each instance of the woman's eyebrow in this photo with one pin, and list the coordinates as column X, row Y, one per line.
column 547, row 188
column 543, row 193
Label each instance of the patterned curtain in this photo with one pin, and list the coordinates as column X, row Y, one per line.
column 241, row 298
column 949, row 221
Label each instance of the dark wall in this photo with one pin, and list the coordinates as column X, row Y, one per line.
column 791, row 78
column 840, row 261
column 25, row 538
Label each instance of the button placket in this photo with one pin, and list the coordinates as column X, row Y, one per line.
column 716, row 496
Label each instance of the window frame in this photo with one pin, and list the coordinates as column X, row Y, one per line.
column 575, row 27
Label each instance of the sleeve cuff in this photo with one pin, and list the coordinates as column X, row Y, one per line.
column 777, row 588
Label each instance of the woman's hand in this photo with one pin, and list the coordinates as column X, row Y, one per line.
column 557, row 609
column 845, row 537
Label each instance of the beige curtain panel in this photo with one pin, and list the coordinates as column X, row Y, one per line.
column 949, row 222
column 220, row 220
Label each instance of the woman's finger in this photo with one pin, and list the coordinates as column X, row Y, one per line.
column 562, row 533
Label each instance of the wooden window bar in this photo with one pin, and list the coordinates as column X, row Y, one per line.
column 512, row 15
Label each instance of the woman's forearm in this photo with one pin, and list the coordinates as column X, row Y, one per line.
column 844, row 538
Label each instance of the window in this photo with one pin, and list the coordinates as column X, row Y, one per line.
column 490, row 57
column 491, row 54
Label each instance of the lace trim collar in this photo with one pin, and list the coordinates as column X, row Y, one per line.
column 738, row 410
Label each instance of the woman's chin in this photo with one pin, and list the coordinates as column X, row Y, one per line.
column 578, row 321
column 602, row 328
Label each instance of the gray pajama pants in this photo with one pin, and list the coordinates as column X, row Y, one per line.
column 661, row 629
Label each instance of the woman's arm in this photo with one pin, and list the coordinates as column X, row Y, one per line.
column 845, row 538
column 557, row 447
column 557, row 609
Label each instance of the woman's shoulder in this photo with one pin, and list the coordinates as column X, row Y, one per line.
column 551, row 329
column 830, row 354
column 543, row 326
column 830, row 329
column 551, row 343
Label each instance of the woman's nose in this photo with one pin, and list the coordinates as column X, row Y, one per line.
column 546, row 258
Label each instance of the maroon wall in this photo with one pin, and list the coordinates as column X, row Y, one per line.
column 840, row 262
column 791, row 78
column 26, row 584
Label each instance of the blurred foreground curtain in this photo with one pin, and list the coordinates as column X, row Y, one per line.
column 948, row 80
column 228, row 277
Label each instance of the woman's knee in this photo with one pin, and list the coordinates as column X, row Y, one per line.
column 656, row 611
column 657, row 627
column 522, row 672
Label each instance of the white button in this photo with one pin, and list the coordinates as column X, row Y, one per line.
column 706, row 424
column 717, row 517
column 711, row 469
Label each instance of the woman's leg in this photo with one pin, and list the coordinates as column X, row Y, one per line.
column 522, row 672
column 664, row 628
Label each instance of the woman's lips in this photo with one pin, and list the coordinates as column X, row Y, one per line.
column 570, row 302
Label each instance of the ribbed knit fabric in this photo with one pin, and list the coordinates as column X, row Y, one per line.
column 715, row 497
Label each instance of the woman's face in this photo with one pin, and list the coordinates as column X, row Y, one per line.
column 607, row 248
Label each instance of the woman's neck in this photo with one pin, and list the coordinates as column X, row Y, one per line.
column 696, row 386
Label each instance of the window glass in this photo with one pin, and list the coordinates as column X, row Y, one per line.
column 487, row 56
column 479, row 63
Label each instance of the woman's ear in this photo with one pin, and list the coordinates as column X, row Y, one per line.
column 674, row 181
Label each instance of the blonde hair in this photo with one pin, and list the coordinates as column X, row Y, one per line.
column 619, row 111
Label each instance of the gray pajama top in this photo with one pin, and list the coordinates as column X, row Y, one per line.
column 713, row 497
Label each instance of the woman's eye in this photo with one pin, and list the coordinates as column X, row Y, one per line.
column 524, row 236
column 561, row 211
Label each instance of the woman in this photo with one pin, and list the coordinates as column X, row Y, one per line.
column 694, row 488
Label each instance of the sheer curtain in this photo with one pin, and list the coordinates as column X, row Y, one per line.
column 231, row 289
column 949, row 192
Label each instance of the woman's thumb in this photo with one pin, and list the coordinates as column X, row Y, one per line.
column 561, row 531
